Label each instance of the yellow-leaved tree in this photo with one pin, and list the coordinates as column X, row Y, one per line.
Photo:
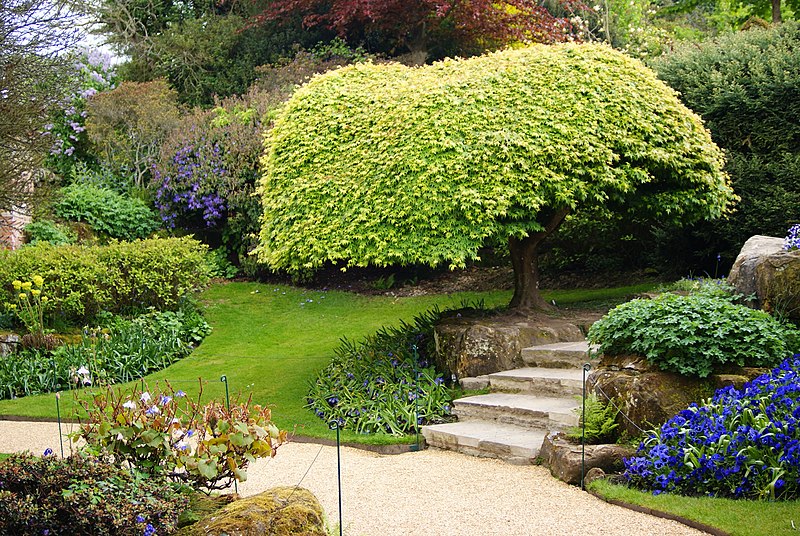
column 385, row 164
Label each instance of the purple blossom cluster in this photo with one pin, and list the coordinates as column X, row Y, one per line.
column 94, row 73
column 186, row 187
column 792, row 240
column 741, row 443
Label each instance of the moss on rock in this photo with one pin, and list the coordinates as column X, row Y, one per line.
column 282, row 511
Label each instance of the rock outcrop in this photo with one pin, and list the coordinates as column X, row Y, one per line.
column 469, row 347
column 770, row 275
column 282, row 511
column 563, row 458
column 649, row 397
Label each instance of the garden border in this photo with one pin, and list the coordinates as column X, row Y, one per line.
column 663, row 515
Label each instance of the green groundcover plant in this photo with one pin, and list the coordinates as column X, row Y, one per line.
column 80, row 495
column 741, row 443
column 694, row 335
column 385, row 383
column 125, row 351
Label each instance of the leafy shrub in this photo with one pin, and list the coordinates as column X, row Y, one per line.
column 129, row 350
column 48, row 231
column 741, row 443
column 600, row 424
column 693, row 335
column 128, row 125
column 107, row 211
column 122, row 277
column 731, row 81
column 81, row 495
column 166, row 433
column 380, row 383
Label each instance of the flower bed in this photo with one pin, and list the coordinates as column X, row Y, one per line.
column 741, row 443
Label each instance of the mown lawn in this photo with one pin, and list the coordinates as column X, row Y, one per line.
column 736, row 517
column 271, row 340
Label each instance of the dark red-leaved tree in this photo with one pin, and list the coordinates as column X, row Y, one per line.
column 420, row 25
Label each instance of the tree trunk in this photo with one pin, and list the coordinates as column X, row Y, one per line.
column 776, row 11
column 525, row 261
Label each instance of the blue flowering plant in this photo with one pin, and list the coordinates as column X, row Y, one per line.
column 386, row 383
column 792, row 240
column 742, row 444
column 165, row 432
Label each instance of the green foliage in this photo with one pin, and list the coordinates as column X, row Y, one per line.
column 220, row 266
column 600, row 424
column 128, row 125
column 108, row 212
column 125, row 351
column 732, row 80
column 694, row 335
column 746, row 86
column 382, row 164
column 81, row 495
column 122, row 277
column 50, row 232
column 164, row 432
column 379, row 384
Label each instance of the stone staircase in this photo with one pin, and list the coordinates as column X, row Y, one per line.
column 522, row 407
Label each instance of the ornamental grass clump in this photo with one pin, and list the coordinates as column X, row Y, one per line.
column 740, row 444
column 385, row 383
column 694, row 335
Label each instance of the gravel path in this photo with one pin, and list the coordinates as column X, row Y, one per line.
column 433, row 492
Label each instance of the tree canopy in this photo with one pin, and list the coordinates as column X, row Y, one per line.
column 34, row 38
column 384, row 164
column 435, row 27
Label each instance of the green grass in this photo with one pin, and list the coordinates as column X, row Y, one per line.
column 736, row 517
column 270, row 341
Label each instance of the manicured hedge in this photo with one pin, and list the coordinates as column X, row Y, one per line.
column 122, row 277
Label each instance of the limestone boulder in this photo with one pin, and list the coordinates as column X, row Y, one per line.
column 769, row 274
column 469, row 347
column 282, row 511
column 649, row 397
column 563, row 458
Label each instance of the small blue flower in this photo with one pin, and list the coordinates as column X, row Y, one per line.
column 48, row 452
column 140, row 518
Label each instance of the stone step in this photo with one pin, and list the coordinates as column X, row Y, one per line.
column 528, row 411
column 558, row 355
column 539, row 381
column 487, row 439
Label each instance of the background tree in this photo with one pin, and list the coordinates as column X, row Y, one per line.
column 34, row 38
column 378, row 165
column 746, row 86
column 433, row 28
column 204, row 49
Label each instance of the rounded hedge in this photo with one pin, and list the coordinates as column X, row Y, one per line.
column 694, row 335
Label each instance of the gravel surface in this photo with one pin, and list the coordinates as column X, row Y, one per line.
column 433, row 492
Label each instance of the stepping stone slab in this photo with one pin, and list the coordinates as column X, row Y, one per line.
column 558, row 355
column 487, row 439
column 529, row 411
column 539, row 381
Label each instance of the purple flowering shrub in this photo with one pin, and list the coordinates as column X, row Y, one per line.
column 93, row 73
column 740, row 444
column 81, row 495
column 165, row 432
column 370, row 385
